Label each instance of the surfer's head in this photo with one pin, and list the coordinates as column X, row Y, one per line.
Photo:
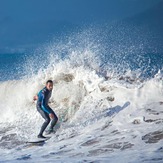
column 49, row 85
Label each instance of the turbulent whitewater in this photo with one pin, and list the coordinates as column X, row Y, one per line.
column 108, row 111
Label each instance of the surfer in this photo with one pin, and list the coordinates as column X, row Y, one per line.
column 43, row 108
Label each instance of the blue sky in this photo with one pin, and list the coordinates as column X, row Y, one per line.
column 26, row 22
column 73, row 11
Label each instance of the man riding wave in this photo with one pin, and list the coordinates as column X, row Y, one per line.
column 43, row 108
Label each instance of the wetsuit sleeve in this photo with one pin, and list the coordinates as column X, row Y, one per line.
column 43, row 105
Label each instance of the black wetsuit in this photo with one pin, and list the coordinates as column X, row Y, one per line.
column 44, row 109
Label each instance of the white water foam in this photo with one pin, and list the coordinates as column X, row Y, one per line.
column 92, row 126
column 100, row 119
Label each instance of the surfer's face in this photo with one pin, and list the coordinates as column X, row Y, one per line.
column 49, row 86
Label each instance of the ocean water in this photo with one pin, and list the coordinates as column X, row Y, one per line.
column 11, row 66
column 108, row 96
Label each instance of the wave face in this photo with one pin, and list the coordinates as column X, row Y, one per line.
column 107, row 94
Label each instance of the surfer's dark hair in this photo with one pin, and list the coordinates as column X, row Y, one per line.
column 49, row 81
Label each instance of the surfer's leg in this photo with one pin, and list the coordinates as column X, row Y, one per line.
column 47, row 120
column 54, row 120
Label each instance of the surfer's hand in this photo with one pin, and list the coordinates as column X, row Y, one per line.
column 51, row 115
column 35, row 98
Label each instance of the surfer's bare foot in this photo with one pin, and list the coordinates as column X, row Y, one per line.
column 50, row 131
column 161, row 102
column 41, row 136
